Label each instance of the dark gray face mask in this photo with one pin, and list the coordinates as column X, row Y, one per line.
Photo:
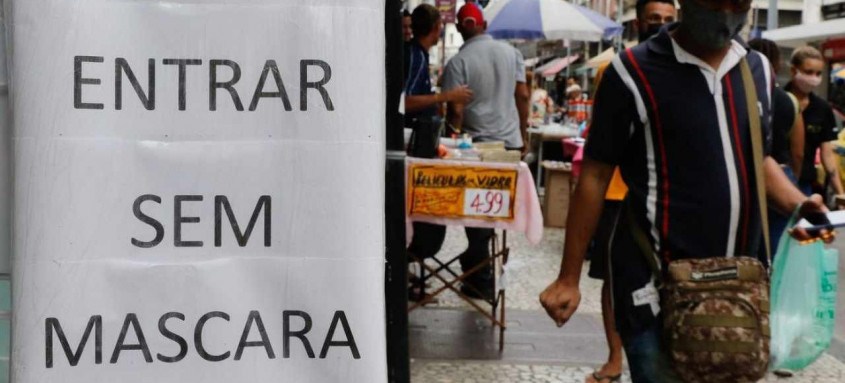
column 649, row 31
column 712, row 29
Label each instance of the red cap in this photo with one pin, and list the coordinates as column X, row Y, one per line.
column 471, row 11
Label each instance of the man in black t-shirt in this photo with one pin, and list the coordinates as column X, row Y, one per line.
column 421, row 103
column 420, row 99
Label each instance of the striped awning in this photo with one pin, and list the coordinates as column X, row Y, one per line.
column 552, row 68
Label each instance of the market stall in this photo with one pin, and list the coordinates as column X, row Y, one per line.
column 482, row 194
column 549, row 133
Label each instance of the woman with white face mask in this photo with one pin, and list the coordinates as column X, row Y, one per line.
column 819, row 122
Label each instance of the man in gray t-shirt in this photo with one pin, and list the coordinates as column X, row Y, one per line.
column 498, row 111
column 495, row 72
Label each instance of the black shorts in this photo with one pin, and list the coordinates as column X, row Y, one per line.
column 599, row 251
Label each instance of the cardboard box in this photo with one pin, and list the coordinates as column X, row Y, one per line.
column 496, row 155
column 489, row 145
column 558, row 190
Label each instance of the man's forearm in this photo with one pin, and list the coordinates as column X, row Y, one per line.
column 831, row 166
column 523, row 129
column 522, row 109
column 584, row 212
column 455, row 115
column 797, row 164
column 796, row 146
column 420, row 102
column 781, row 192
column 522, row 97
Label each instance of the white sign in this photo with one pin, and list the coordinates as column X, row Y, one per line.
column 198, row 191
column 5, row 164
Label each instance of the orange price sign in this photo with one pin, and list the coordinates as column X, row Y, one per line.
column 453, row 191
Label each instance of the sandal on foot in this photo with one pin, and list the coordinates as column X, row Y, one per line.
column 611, row 378
column 783, row 373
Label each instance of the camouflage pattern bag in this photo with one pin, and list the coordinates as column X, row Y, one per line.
column 715, row 315
column 716, row 319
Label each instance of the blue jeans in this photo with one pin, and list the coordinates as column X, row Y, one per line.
column 805, row 188
column 648, row 358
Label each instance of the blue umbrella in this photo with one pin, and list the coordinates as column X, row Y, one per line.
column 547, row 19
column 838, row 74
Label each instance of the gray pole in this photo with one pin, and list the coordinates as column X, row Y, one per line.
column 396, row 266
column 619, row 13
column 773, row 15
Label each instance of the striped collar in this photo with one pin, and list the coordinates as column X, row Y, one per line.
column 664, row 44
column 734, row 56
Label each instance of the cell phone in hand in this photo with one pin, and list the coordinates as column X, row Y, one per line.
column 814, row 223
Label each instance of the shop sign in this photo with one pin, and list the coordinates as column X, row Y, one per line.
column 834, row 50
column 447, row 10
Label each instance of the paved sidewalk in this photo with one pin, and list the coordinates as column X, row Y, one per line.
column 476, row 372
column 529, row 270
column 443, row 350
column 826, row 370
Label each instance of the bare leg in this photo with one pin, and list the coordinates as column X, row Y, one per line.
column 613, row 367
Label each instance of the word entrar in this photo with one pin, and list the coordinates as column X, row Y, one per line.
column 178, row 69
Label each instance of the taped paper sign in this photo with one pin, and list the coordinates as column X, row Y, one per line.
column 177, row 172
column 447, row 10
column 453, row 191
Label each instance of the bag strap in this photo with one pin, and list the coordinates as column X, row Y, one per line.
column 796, row 106
column 641, row 239
column 757, row 148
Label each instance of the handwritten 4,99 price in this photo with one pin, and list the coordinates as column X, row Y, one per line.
column 487, row 203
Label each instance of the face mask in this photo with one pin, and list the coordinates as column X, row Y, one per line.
column 712, row 29
column 805, row 82
column 649, row 31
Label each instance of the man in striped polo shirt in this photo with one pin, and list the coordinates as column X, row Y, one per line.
column 671, row 113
